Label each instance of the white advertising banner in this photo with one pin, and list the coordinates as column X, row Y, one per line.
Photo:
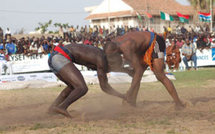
column 206, row 57
column 36, row 63
column 49, row 77
column 22, row 63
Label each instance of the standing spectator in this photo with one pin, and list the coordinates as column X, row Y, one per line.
column 10, row 47
column 90, row 30
column 189, row 53
column 72, row 31
column 118, row 30
column 1, row 34
column 104, row 31
column 111, row 30
column 61, row 32
column 197, row 29
column 7, row 33
column 100, row 31
column 178, row 29
column 82, row 30
column 169, row 29
column 183, row 30
column 190, row 29
column 4, row 63
column 122, row 30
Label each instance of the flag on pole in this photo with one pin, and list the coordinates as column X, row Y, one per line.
column 148, row 15
column 204, row 16
column 183, row 18
column 139, row 17
column 165, row 16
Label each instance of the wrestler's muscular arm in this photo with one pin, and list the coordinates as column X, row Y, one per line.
column 105, row 86
column 102, row 68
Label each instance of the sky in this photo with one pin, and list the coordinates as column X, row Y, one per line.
column 18, row 14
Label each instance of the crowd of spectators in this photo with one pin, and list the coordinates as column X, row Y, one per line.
column 43, row 45
column 95, row 36
column 198, row 36
column 188, row 41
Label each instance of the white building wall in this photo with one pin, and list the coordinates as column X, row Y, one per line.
column 111, row 6
column 157, row 24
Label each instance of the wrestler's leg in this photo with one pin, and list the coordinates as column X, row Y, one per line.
column 66, row 91
column 61, row 97
column 158, row 69
column 72, row 76
column 133, row 91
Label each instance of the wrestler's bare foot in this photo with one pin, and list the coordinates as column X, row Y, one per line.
column 57, row 110
column 127, row 102
column 180, row 106
column 51, row 110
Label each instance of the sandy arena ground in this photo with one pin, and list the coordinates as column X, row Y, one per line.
column 25, row 111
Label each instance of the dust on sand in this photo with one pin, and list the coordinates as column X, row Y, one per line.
column 25, row 111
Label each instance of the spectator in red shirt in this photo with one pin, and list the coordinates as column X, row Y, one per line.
column 180, row 43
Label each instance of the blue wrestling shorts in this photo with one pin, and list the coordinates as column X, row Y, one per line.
column 59, row 58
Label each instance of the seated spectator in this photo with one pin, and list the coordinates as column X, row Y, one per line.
column 4, row 63
column 203, row 43
column 2, row 46
column 173, row 57
column 33, row 48
column 67, row 41
column 46, row 47
column 26, row 47
column 10, row 47
column 213, row 43
column 189, row 53
column 40, row 49
column 55, row 42
column 60, row 43
column 19, row 47
column 179, row 43
column 87, row 41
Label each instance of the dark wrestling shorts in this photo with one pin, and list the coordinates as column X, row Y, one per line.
column 159, row 48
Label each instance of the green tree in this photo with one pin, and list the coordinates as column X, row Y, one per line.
column 44, row 26
column 201, row 5
column 66, row 25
